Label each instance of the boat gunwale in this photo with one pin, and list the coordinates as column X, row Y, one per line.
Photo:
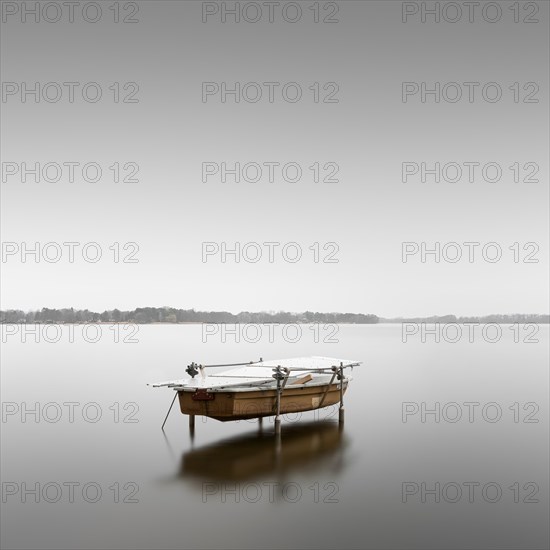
column 257, row 388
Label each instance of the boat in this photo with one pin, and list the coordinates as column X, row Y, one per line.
column 257, row 389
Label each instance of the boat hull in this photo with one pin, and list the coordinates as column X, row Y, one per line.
column 242, row 405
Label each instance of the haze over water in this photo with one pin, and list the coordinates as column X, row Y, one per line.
column 231, row 488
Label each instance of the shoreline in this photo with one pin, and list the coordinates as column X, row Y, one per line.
column 387, row 322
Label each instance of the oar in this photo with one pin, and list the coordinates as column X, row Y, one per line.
column 231, row 364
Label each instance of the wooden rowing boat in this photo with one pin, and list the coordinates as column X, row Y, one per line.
column 262, row 388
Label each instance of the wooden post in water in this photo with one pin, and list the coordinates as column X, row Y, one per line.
column 192, row 423
column 278, row 376
column 341, row 409
column 277, row 417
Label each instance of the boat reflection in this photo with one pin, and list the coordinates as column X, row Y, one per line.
column 305, row 446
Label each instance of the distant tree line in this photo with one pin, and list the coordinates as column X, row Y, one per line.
column 145, row 315
column 496, row 318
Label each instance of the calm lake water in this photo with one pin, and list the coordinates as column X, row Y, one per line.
column 85, row 464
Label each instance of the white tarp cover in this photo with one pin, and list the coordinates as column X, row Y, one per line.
column 256, row 373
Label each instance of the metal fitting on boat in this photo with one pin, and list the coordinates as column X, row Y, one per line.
column 192, row 370
column 278, row 374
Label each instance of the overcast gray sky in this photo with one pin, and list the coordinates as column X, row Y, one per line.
column 368, row 211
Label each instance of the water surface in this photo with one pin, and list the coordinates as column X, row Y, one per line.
column 372, row 484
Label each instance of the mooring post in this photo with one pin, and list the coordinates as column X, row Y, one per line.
column 278, row 376
column 341, row 410
column 191, row 422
